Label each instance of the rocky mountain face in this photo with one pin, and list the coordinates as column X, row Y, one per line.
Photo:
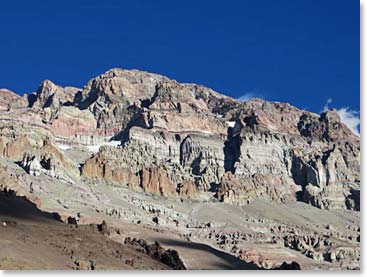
column 159, row 137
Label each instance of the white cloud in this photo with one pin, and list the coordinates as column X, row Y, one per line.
column 326, row 107
column 246, row 97
column 349, row 117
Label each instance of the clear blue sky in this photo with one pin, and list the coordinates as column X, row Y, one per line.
column 297, row 51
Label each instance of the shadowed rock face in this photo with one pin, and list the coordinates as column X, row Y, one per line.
column 39, row 240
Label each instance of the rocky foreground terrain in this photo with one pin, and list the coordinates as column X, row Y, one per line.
column 138, row 171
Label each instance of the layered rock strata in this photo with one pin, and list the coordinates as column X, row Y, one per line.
column 160, row 136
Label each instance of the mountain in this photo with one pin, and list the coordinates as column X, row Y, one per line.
column 140, row 148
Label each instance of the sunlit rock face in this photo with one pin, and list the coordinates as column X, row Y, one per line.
column 156, row 135
column 263, row 182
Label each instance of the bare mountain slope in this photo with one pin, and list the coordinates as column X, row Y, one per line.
column 139, row 148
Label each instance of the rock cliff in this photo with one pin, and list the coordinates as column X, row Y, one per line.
column 263, row 181
column 159, row 136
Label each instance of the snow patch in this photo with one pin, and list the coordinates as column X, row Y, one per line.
column 92, row 148
column 231, row 123
column 206, row 132
column 95, row 148
column 63, row 146
column 113, row 143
